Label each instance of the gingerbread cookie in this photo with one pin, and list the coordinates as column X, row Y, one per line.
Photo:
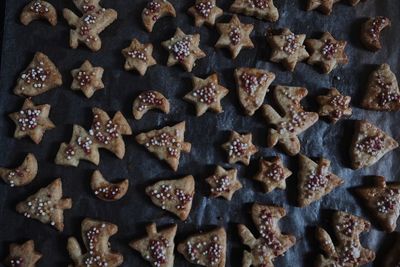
column 149, row 100
column 95, row 236
column 32, row 121
column 393, row 257
column 87, row 79
column 205, row 12
column 315, row 181
column 23, row 255
column 234, row 35
column 252, row 85
column 334, row 105
column 138, row 57
column 287, row 48
column 294, row 121
column 157, row 247
column 183, row 49
column 107, row 191
column 167, row 143
column 224, row 183
column 175, row 196
column 205, row 249
column 206, row 94
column 371, row 32
column 325, row 6
column 271, row 243
column 347, row 250
column 369, row 145
column 272, row 174
column 154, row 10
column 47, row 205
column 327, row 52
column 382, row 92
column 87, row 28
column 383, row 201
column 22, row 175
column 240, row 148
column 261, row 9
column 38, row 9
column 40, row 76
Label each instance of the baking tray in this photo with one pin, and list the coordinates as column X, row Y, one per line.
column 206, row 133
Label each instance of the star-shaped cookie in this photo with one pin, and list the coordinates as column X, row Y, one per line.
column 155, row 10
column 223, row 183
column 32, row 121
column 87, row 79
column 183, row 49
column 234, row 36
column 288, row 48
column 205, row 12
column 327, row 52
column 261, row 9
column 272, row 174
column 23, row 255
column 334, row 105
column 138, row 56
column 23, row 174
column 38, row 9
column 240, row 148
column 206, row 94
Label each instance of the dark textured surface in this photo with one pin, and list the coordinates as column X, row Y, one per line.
column 206, row 133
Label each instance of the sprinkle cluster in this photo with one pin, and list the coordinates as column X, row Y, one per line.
column 348, row 226
column 166, row 140
column 267, row 232
column 261, row 4
column 152, row 9
column 86, row 7
column 137, row 54
column 234, row 35
column 316, row 181
column 252, row 82
column 107, row 191
column 206, row 94
column 204, row 8
column 295, row 121
column 181, row 48
column 221, row 184
column 28, row 119
column 95, row 257
column 69, row 152
column 274, row 172
column 338, row 103
column 371, row 144
column 329, row 49
column 388, row 201
column 16, row 262
column 148, row 99
column 104, row 133
column 15, row 173
column 85, row 143
column 158, row 251
column 36, row 76
column 166, row 193
column 39, row 8
column 40, row 207
column 377, row 24
column 84, row 78
column 88, row 20
column 210, row 252
column 237, row 148
column 291, row 44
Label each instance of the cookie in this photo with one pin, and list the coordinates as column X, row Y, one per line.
column 240, row 148
column 32, row 121
column 382, row 92
column 107, row 191
column 87, row 79
column 392, row 258
column 294, row 121
column 205, row 12
column 23, row 255
column 22, row 175
column 347, row 250
column 314, row 180
column 95, row 236
column 271, row 243
column 206, row 94
column 158, row 246
column 287, row 48
column 205, row 249
column 369, row 145
column 371, row 32
column 334, row 105
column 47, row 205
column 383, row 201
column 149, row 100
column 37, row 10
column 183, row 49
column 138, row 57
column 80, row 147
column 175, row 196
column 154, row 10
column 272, row 174
column 252, row 85
column 224, row 183
column 325, row 6
column 40, row 76
column 167, row 143
column 261, row 9
column 86, row 29
column 327, row 52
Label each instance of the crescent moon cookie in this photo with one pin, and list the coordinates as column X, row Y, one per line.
column 22, row 175
column 272, row 174
column 155, row 10
column 240, row 148
column 147, row 101
column 261, row 9
column 183, row 49
column 107, row 191
column 205, row 12
column 334, row 105
column 95, row 236
column 40, row 76
column 138, row 57
column 38, row 9
column 371, row 32
column 22, row 255
column 87, row 79
column 224, row 183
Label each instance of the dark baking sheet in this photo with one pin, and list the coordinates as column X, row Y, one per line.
column 206, row 133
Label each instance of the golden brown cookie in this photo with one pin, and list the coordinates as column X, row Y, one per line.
column 22, row 175
column 87, row 79
column 205, row 12
column 107, row 191
column 240, row 148
column 272, row 174
column 334, row 105
column 149, row 100
column 138, row 57
column 261, row 9
column 38, row 9
column 371, row 32
column 23, row 255
column 223, row 183
column 155, row 10
column 325, row 6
